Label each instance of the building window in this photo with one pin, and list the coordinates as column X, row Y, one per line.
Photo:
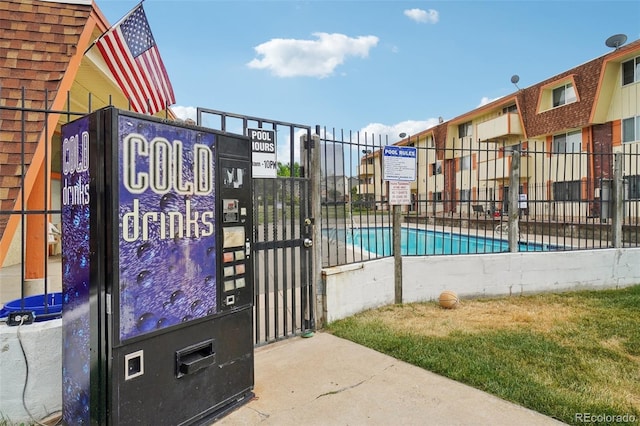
column 567, row 142
column 567, row 191
column 465, row 130
column 436, row 168
column 632, row 184
column 631, row 71
column 510, row 108
column 465, row 195
column 564, row 95
column 465, row 162
column 437, row 196
column 631, row 129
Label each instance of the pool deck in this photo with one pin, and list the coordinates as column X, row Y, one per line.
column 341, row 252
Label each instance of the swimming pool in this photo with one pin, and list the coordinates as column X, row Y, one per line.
column 422, row 242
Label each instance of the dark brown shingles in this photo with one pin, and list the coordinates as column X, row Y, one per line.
column 36, row 42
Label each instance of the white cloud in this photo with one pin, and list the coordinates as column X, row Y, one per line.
column 212, row 121
column 391, row 133
column 375, row 135
column 185, row 112
column 423, row 16
column 485, row 100
column 310, row 58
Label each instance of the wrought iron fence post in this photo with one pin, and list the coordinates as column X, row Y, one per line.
column 617, row 201
column 514, row 193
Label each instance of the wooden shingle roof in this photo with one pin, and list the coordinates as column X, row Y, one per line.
column 37, row 41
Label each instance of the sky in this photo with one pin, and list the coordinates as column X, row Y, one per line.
column 375, row 66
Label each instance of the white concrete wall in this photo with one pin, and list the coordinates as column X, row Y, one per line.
column 355, row 288
column 42, row 342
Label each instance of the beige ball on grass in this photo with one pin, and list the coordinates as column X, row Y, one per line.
column 448, row 299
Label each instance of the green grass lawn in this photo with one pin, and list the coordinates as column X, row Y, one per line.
column 558, row 354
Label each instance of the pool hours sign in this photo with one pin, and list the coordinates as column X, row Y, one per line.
column 263, row 146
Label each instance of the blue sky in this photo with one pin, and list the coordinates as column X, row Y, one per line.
column 384, row 67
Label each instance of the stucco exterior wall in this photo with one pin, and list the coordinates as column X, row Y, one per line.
column 42, row 343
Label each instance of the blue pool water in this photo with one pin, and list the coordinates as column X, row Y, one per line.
column 425, row 242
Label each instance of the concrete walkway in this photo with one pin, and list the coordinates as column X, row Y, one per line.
column 325, row 380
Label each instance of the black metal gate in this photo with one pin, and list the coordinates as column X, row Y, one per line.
column 282, row 222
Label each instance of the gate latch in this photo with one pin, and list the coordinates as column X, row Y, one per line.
column 308, row 242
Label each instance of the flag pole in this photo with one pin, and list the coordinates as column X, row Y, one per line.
column 115, row 25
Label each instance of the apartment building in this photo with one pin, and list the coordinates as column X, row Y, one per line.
column 565, row 129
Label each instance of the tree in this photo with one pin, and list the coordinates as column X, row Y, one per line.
column 284, row 170
column 355, row 197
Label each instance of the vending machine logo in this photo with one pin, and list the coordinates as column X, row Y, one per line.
column 167, row 225
column 76, row 273
column 75, row 165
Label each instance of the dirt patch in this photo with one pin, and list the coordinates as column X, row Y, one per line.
column 474, row 316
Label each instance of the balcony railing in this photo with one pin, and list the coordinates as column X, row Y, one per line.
column 505, row 125
column 366, row 170
column 367, row 189
column 500, row 168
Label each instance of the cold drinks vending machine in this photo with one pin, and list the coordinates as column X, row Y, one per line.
column 157, row 271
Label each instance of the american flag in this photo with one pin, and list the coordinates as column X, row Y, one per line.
column 133, row 57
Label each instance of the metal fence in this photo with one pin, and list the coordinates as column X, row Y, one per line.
column 40, row 212
column 32, row 267
column 472, row 197
column 468, row 197
column 282, row 265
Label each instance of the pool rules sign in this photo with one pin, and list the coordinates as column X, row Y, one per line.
column 263, row 146
column 399, row 170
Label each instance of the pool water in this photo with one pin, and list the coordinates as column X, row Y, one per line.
column 426, row 242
